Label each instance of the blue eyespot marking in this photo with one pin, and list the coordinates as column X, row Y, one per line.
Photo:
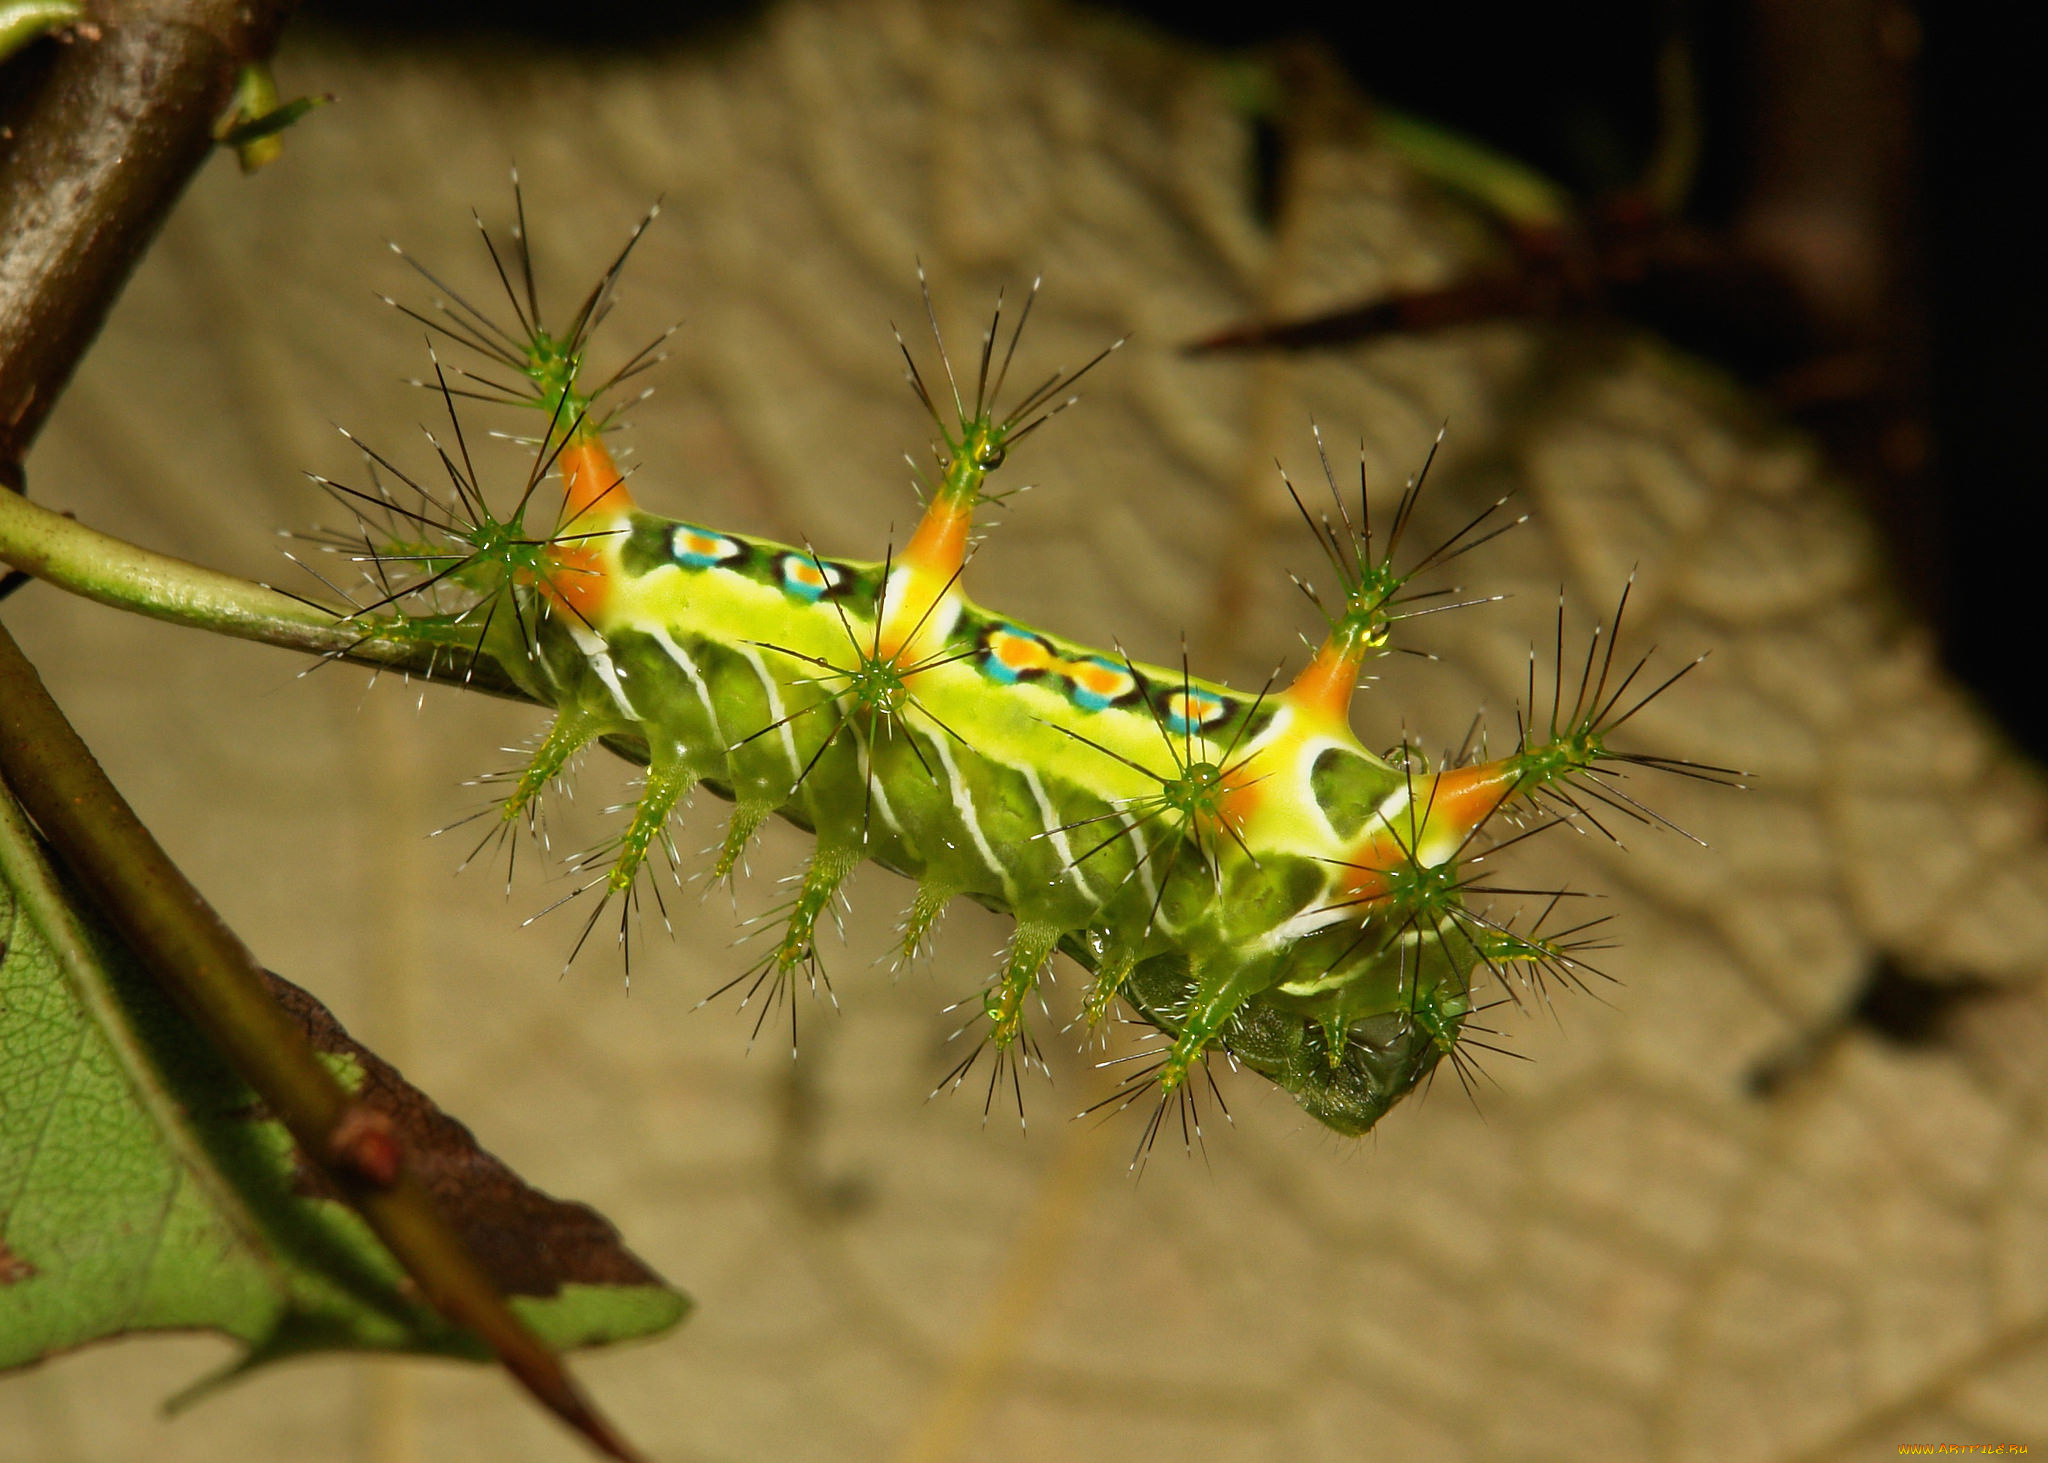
column 808, row 579
column 1099, row 683
column 700, row 548
column 1193, row 711
column 1010, row 655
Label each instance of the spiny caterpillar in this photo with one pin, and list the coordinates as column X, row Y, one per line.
column 1238, row 870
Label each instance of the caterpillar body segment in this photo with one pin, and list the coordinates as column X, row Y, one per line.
column 1267, row 884
column 1237, row 869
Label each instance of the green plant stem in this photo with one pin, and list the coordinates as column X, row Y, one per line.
column 217, row 982
column 100, row 567
column 1518, row 193
column 22, row 21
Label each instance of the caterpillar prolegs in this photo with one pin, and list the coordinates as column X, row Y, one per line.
column 1235, row 869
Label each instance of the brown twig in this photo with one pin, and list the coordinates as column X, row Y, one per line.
column 116, row 126
column 98, row 145
column 217, row 982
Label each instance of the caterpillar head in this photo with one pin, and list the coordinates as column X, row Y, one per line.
column 1350, row 1028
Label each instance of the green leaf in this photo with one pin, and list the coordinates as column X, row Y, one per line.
column 144, row 1187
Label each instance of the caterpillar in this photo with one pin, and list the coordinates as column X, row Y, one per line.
column 1236, row 870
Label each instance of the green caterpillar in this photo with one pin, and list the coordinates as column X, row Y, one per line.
column 1238, row 870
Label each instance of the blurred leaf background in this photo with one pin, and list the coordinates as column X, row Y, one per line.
column 1745, row 1209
